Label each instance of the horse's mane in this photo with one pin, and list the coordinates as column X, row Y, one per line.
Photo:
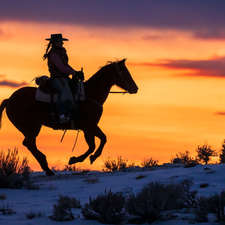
column 102, row 68
column 108, row 63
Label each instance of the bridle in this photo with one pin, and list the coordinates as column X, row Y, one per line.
column 121, row 78
column 118, row 71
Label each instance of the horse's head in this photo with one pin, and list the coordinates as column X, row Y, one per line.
column 123, row 78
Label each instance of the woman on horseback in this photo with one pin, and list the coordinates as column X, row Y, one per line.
column 57, row 61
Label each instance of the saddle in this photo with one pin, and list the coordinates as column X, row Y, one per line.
column 45, row 92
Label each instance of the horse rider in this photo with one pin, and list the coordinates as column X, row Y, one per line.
column 57, row 61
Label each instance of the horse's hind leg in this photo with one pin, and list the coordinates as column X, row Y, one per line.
column 30, row 143
column 90, row 139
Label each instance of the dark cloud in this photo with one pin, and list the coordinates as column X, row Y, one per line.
column 151, row 37
column 13, row 84
column 220, row 113
column 210, row 34
column 211, row 68
column 204, row 17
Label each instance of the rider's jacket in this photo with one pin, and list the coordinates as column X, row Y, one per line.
column 53, row 69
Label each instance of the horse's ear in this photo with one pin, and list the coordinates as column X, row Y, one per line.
column 123, row 61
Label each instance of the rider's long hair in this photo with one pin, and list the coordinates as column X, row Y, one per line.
column 50, row 44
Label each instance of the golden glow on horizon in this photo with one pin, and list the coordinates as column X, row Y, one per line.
column 170, row 113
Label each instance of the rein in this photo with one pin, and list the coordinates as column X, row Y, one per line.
column 113, row 92
column 118, row 92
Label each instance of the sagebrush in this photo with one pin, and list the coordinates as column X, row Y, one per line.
column 116, row 164
column 214, row 204
column 153, row 201
column 202, row 210
column 222, row 153
column 32, row 214
column 106, row 208
column 72, row 168
column 148, row 162
column 62, row 211
column 13, row 173
column 189, row 196
column 6, row 209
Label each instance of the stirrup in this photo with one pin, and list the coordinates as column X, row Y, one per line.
column 64, row 119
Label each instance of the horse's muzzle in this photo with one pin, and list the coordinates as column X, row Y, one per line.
column 133, row 89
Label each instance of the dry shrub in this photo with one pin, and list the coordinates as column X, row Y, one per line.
column 192, row 163
column 189, row 196
column 186, row 159
column 116, row 164
column 9, row 163
column 14, row 174
column 202, row 210
column 62, row 211
column 153, row 201
column 149, row 162
column 106, row 208
column 32, row 214
column 6, row 209
column 216, row 204
column 222, row 153
column 72, row 168
column 184, row 156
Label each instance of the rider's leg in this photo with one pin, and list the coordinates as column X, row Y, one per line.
column 66, row 104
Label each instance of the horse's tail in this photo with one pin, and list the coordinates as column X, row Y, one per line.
column 2, row 107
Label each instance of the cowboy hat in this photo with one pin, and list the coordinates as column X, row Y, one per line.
column 56, row 37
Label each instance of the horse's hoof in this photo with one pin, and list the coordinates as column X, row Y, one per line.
column 72, row 160
column 49, row 173
column 92, row 158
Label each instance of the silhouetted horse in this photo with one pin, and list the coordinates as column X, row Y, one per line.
column 28, row 115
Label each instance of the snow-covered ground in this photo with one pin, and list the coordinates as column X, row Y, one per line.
column 82, row 185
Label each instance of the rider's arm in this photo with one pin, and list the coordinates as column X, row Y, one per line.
column 58, row 62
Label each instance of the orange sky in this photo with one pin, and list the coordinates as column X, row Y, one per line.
column 173, row 111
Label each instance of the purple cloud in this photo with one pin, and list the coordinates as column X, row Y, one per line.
column 12, row 84
column 210, row 34
column 151, row 37
column 220, row 113
column 205, row 18
column 208, row 68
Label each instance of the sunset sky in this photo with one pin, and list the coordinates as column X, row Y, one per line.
column 175, row 52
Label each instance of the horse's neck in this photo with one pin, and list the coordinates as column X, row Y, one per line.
column 98, row 86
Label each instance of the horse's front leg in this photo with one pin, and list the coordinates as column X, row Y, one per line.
column 89, row 134
column 103, row 140
column 90, row 139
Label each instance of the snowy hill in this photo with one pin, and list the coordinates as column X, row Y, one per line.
column 82, row 185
